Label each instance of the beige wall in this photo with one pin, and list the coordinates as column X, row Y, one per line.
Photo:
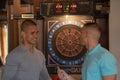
column 114, row 31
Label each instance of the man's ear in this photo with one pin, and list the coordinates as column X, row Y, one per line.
column 22, row 33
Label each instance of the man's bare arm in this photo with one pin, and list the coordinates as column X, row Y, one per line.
column 111, row 77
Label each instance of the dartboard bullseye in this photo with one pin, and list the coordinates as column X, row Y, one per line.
column 64, row 43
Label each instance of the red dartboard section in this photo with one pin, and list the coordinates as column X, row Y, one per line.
column 63, row 45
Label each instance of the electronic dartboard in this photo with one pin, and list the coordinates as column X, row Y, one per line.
column 63, row 44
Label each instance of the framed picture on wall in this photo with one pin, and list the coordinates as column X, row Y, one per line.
column 26, row 2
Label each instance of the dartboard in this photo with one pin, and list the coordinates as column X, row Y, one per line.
column 64, row 43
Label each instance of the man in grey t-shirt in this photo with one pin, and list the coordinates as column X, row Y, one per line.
column 25, row 62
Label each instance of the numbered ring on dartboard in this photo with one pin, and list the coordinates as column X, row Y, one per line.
column 64, row 44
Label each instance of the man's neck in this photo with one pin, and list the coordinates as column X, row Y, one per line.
column 92, row 45
column 29, row 47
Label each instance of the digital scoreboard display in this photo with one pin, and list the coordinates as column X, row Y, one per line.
column 65, row 8
column 84, row 7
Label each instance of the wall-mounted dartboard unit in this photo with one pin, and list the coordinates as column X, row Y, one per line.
column 63, row 45
column 62, row 32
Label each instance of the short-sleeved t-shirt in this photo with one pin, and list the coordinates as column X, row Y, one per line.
column 99, row 62
column 23, row 65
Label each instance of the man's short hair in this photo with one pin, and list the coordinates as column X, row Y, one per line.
column 94, row 28
column 26, row 23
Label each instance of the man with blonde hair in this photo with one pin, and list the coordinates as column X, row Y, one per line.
column 99, row 63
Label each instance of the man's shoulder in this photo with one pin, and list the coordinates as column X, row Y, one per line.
column 104, row 52
column 19, row 48
column 16, row 55
column 17, row 52
column 39, row 52
column 101, row 53
column 105, row 55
